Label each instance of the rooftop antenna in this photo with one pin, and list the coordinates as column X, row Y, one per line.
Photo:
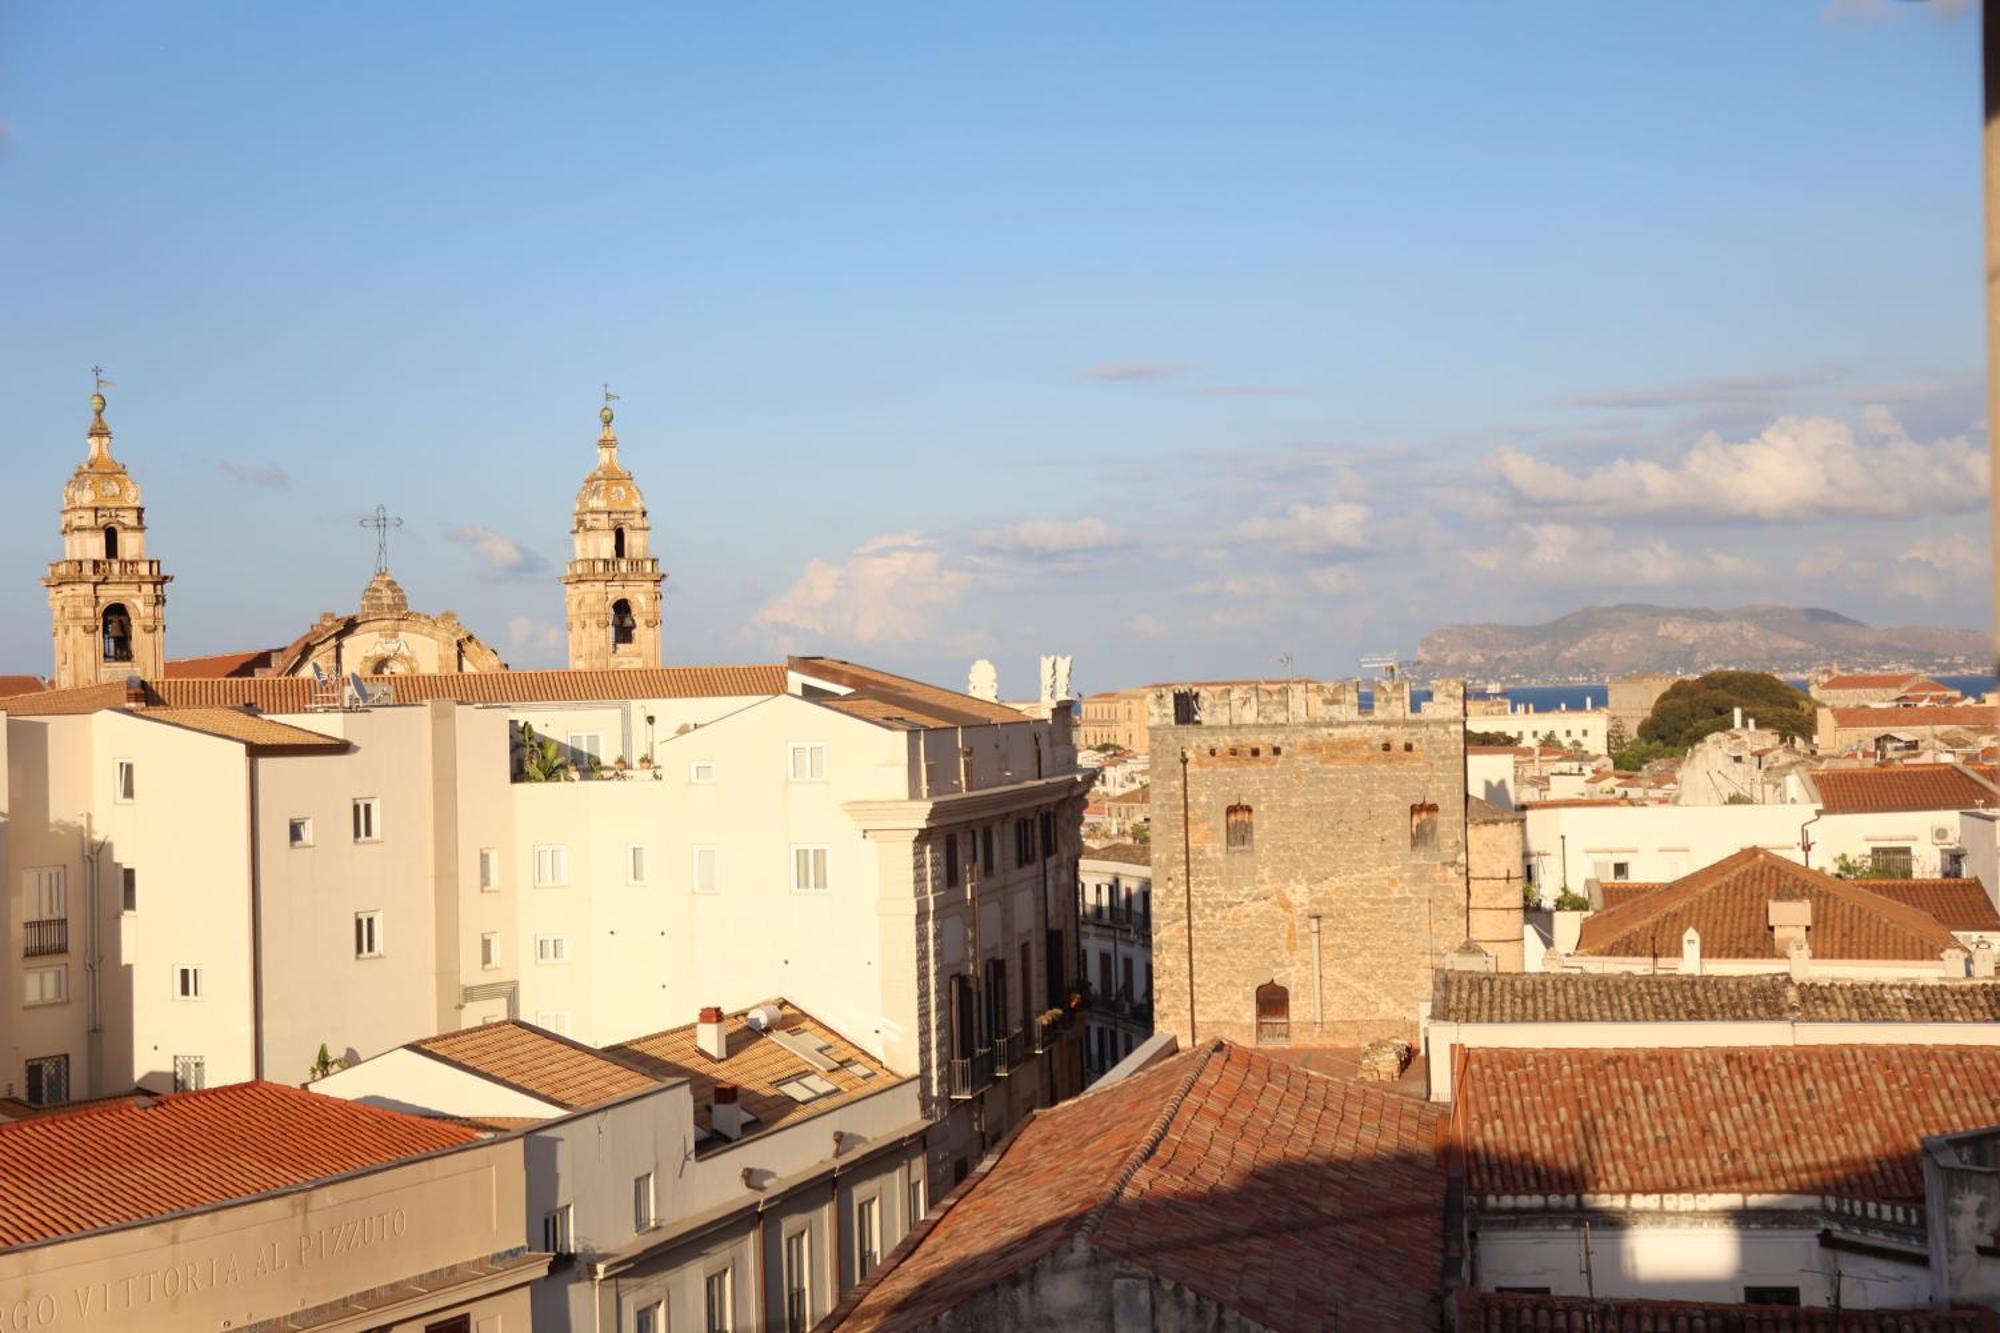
column 381, row 522
column 1285, row 661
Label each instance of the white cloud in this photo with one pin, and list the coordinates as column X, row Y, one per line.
column 1799, row 468
column 1333, row 579
column 499, row 556
column 254, row 474
column 886, row 591
column 534, row 643
column 1050, row 538
column 1307, row 529
column 1826, row 562
column 1592, row 556
column 1128, row 371
column 1933, row 565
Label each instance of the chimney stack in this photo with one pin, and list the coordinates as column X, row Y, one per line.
column 712, row 1037
column 135, row 692
column 1736, row 723
column 1790, row 919
column 1691, row 952
column 1982, row 960
column 725, row 1115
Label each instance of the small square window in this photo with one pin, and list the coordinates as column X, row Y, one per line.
column 702, row 771
column 643, row 1214
column 190, row 1073
column 129, row 882
column 368, row 819
column 808, row 762
column 367, row 934
column 552, row 948
column 551, row 867
column 45, row 985
column 489, row 870
column 187, row 982
column 489, row 951
column 705, row 870
column 126, row 789
column 808, row 869
column 635, row 864
column 300, row 832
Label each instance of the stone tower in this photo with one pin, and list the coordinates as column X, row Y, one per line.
column 612, row 587
column 107, row 601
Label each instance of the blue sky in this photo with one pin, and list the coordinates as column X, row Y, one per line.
column 1173, row 337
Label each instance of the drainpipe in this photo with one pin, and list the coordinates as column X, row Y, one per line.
column 1187, row 887
column 1805, row 839
column 256, row 932
column 1318, row 1021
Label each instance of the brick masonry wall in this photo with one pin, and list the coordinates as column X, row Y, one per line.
column 1331, row 835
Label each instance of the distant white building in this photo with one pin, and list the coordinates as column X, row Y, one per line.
column 1115, row 916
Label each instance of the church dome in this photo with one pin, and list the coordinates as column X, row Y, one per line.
column 384, row 596
column 100, row 479
column 609, row 486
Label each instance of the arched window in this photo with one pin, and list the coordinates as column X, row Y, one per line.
column 1423, row 827
column 117, row 633
column 110, row 542
column 1274, row 1014
column 1237, row 827
column 618, row 543
column 623, row 625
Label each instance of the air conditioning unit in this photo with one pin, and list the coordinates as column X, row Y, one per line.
column 1944, row 834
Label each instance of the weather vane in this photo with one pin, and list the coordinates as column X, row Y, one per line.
column 97, row 373
column 381, row 522
column 609, row 397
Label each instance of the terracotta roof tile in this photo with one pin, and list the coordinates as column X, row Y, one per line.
column 1637, row 997
column 13, row 685
column 1904, row 787
column 1729, row 904
column 1296, row 1201
column 146, row 1157
column 1981, row 717
column 1836, row 1120
column 1126, row 853
column 538, row 1062
column 1958, row 904
column 1876, row 681
column 219, row 664
column 235, row 724
column 51, row 703
column 758, row 1063
column 1512, row 1312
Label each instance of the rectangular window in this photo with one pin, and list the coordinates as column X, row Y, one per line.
column 368, row 819
column 585, row 746
column 650, row 1318
column 868, row 1236
column 1771, row 1296
column 1893, row 862
column 1621, row 870
column 1024, row 842
column 951, row 860
column 126, row 789
column 917, row 1207
column 48, row 1080
column 808, row 762
column 715, row 1303
column 1423, row 827
column 551, row 867
column 704, row 875
column 489, row 951
column 642, row 1203
column 557, row 1237
column 986, row 849
column 299, row 832
column 702, row 771
column 45, row 985
column 635, row 865
column 798, row 1302
column 1048, row 835
column 553, row 1020
column 552, row 948
column 190, row 1073
column 187, row 982
column 489, row 869
column 808, row 869
column 129, row 884
column 367, row 934
column 48, row 893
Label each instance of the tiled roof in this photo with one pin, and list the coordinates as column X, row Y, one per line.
column 1512, row 1312
column 1903, row 787
column 234, row 724
column 218, row 664
column 1877, row 681
column 1637, row 997
column 1296, row 1201
column 537, row 1062
column 1137, row 796
column 1479, row 810
column 146, row 1157
column 1837, row 1120
column 13, row 685
column 79, row 699
column 888, row 699
column 1126, row 853
column 1982, row 717
column 758, row 1063
column 1729, row 904
column 1958, row 904
column 1618, row 892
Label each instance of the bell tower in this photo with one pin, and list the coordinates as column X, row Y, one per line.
column 612, row 587
column 107, row 601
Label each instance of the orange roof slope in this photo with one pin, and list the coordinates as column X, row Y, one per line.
column 147, row 1157
column 1729, row 904
column 235, row 724
column 1298, row 1201
column 219, row 664
column 759, row 1065
column 1958, row 904
column 13, row 685
column 1872, row 681
column 1839, row 1120
column 1980, row 716
column 890, row 700
column 537, row 1062
column 1905, row 787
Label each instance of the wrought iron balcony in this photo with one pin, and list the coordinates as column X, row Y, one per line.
column 1009, row 1051
column 968, row 1076
column 46, row 937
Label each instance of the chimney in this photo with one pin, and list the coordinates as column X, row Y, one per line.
column 1790, row 919
column 1955, row 962
column 1982, row 960
column 1753, row 723
column 1799, row 955
column 712, row 1037
column 1691, row 952
column 725, row 1115
column 135, row 692
column 1736, row 722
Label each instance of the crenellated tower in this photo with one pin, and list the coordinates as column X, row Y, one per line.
column 107, row 600
column 612, row 587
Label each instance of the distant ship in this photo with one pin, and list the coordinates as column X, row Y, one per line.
column 1494, row 687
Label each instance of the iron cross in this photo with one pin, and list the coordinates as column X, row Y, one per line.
column 381, row 522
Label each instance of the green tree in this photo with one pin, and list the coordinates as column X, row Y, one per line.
column 1489, row 738
column 1616, row 737
column 1636, row 755
column 1692, row 709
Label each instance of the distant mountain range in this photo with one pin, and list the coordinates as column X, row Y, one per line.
column 1601, row 641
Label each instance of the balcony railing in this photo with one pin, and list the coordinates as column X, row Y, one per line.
column 1009, row 1051
column 971, row 1075
column 1049, row 1029
column 46, row 937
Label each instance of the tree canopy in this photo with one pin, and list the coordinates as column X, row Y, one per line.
column 1692, row 709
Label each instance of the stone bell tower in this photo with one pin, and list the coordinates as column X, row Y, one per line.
column 107, row 601
column 612, row 587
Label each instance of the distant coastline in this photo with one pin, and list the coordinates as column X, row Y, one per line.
column 1592, row 694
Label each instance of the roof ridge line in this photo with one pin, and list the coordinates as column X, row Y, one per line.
column 1150, row 1144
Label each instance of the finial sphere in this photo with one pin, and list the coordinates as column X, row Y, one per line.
column 97, row 403
column 605, row 414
